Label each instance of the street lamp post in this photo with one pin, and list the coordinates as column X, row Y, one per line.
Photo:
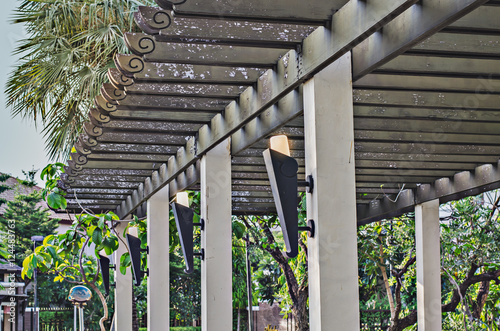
column 80, row 295
column 35, row 239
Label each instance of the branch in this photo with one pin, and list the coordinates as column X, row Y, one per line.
column 80, row 260
column 104, row 305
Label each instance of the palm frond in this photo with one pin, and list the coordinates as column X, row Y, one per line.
column 63, row 62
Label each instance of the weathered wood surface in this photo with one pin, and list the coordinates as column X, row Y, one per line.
column 206, row 54
column 289, row 10
column 134, row 66
column 446, row 66
column 419, row 117
column 166, row 27
column 411, row 27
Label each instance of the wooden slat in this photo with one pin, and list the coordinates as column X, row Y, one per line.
column 134, row 101
column 483, row 19
column 143, row 158
column 134, row 148
column 205, row 54
column 289, row 10
column 426, row 99
column 222, row 91
column 454, row 114
column 408, row 29
column 459, row 44
column 135, row 67
column 425, row 83
column 484, row 178
column 446, row 66
column 222, row 30
column 166, row 115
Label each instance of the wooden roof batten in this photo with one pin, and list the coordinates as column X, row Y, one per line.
column 261, row 109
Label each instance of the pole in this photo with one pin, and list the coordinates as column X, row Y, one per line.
column 75, row 314
column 249, row 287
column 82, row 325
column 35, row 328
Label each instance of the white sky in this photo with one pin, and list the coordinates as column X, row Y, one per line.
column 21, row 147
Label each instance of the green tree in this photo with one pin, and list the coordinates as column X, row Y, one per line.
column 3, row 187
column 64, row 60
column 63, row 254
column 292, row 291
column 470, row 270
column 27, row 219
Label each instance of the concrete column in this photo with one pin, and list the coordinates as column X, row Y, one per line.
column 216, row 269
column 158, row 261
column 329, row 152
column 428, row 266
column 123, row 290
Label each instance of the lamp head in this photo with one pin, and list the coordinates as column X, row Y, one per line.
column 133, row 231
column 280, row 144
column 182, row 198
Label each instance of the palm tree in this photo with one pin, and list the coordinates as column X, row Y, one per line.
column 63, row 62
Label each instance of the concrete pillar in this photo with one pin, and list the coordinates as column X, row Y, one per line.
column 123, row 290
column 329, row 152
column 428, row 266
column 216, row 269
column 158, row 261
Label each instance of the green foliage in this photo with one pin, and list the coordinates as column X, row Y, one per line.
column 3, row 187
column 30, row 178
column 386, row 245
column 69, row 47
column 179, row 328
column 185, row 290
column 52, row 194
column 470, row 247
column 62, row 253
column 24, row 218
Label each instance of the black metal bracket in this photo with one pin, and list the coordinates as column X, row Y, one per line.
column 105, row 266
column 112, row 266
column 147, row 272
column 134, row 245
column 201, row 254
column 145, row 250
column 201, row 224
column 311, row 228
column 113, row 285
column 309, row 183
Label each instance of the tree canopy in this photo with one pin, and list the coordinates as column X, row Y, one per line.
column 63, row 62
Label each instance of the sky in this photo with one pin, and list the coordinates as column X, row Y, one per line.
column 21, row 146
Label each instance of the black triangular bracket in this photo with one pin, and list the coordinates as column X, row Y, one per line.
column 134, row 245
column 282, row 171
column 184, row 221
column 105, row 266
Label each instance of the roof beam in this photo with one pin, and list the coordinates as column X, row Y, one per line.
column 350, row 25
column 208, row 54
column 405, row 31
column 133, row 66
column 222, row 30
column 444, row 66
column 483, row 179
column 279, row 10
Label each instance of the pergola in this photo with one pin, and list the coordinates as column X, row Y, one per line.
column 391, row 105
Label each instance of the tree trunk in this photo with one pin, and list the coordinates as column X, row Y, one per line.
column 300, row 312
column 482, row 296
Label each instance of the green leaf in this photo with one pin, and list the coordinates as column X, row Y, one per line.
column 124, row 263
column 238, row 229
column 101, row 222
column 97, row 236
column 56, row 201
